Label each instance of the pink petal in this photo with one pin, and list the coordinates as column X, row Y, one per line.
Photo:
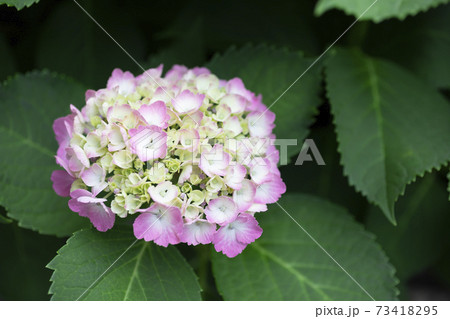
column 271, row 191
column 124, row 81
column 87, row 205
column 150, row 75
column 236, row 103
column 260, row 124
column 215, row 162
column 235, row 175
column 176, row 73
column 148, row 142
column 221, row 210
column 260, row 170
column 198, row 232
column 164, row 193
column 62, row 182
column 234, row 237
column 244, row 196
column 155, row 114
column 63, row 128
column 187, row 102
column 161, row 224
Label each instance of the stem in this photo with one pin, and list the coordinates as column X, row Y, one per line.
column 203, row 268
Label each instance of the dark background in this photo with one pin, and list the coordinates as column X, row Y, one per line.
column 58, row 35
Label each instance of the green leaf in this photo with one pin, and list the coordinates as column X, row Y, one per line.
column 186, row 48
column 24, row 255
column 8, row 64
column 380, row 10
column 144, row 272
column 423, row 219
column 271, row 71
column 4, row 220
column 30, row 103
column 71, row 43
column 327, row 181
column 286, row 264
column 391, row 126
column 426, row 35
column 19, row 4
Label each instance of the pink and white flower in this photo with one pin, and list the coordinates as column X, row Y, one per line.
column 160, row 224
column 187, row 152
column 124, row 82
column 155, row 114
column 198, row 232
column 215, row 161
column 87, row 205
column 187, row 102
column 148, row 142
column 164, row 193
column 221, row 210
column 234, row 237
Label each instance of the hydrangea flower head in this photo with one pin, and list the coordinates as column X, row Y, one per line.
column 188, row 154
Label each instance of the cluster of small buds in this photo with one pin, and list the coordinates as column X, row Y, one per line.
column 188, row 153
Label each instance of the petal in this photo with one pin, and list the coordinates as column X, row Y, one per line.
column 147, row 226
column 271, row 191
column 155, row 114
column 236, row 103
column 225, row 241
column 235, row 175
column 247, row 228
column 244, row 196
column 233, row 238
column 260, row 124
column 148, row 142
column 198, row 232
column 260, row 170
column 236, row 86
column 164, row 193
column 233, row 125
column 63, row 128
column 93, row 176
column 161, row 224
column 187, row 102
column 123, row 81
column 101, row 216
column 221, row 210
column 62, row 182
column 215, row 162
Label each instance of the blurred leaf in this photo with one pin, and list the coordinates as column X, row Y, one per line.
column 7, row 66
column 30, row 103
column 380, row 10
column 71, row 43
column 421, row 44
column 271, row 71
column 144, row 272
column 285, row 264
column 327, row 180
column 237, row 23
column 23, row 256
column 187, row 48
column 391, row 127
column 423, row 219
column 19, row 4
column 4, row 220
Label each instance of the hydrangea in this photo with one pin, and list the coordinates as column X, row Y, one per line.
column 187, row 153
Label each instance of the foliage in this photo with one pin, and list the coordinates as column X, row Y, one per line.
column 376, row 105
column 286, row 264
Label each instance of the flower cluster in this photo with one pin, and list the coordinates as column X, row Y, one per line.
column 189, row 154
